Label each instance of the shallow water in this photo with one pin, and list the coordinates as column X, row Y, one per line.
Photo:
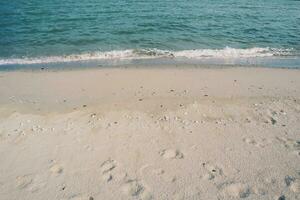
column 41, row 32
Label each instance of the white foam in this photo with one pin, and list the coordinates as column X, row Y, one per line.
column 153, row 53
column 69, row 58
column 232, row 53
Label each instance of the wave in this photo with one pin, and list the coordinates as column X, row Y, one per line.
column 226, row 53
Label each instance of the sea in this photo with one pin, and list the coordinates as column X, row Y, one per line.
column 96, row 33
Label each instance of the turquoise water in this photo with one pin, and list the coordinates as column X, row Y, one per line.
column 229, row 31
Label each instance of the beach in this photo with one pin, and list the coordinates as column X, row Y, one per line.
column 150, row 133
column 149, row 100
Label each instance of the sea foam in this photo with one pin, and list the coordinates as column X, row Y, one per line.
column 135, row 54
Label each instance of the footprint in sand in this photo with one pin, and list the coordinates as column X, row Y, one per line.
column 171, row 154
column 107, row 167
column 237, row 190
column 107, row 177
column 212, row 171
column 30, row 183
column 56, row 169
column 261, row 143
column 134, row 188
column 259, row 190
column 208, row 176
column 23, row 181
column 38, row 183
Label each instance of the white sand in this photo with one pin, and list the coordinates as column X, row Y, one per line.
column 150, row 134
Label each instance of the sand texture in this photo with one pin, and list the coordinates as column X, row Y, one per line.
column 186, row 134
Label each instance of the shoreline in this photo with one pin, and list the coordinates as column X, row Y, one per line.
column 286, row 62
column 150, row 133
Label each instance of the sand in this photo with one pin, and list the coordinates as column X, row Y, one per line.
column 146, row 134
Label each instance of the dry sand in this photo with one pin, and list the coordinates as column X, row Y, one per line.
column 150, row 134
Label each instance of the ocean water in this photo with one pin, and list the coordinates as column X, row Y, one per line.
column 52, row 32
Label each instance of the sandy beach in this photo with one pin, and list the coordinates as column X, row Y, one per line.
column 141, row 133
